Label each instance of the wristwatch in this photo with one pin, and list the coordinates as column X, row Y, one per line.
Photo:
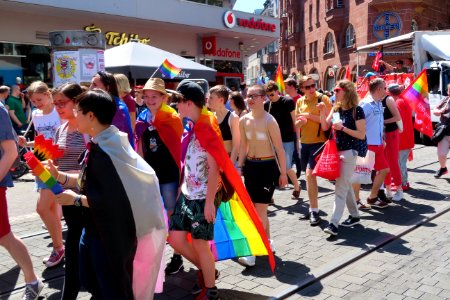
column 77, row 201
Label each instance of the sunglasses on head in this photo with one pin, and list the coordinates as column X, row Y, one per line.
column 307, row 87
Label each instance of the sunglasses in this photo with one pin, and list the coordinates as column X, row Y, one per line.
column 271, row 95
column 337, row 90
column 307, row 87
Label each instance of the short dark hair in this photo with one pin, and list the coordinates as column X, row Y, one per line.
column 100, row 103
column 238, row 100
column 69, row 89
column 291, row 82
column 221, row 91
column 271, row 86
column 109, row 82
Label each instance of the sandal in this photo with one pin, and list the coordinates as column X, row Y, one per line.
column 295, row 194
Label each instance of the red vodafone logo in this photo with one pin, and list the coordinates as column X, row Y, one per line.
column 229, row 19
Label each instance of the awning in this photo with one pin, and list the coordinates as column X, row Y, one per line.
column 438, row 47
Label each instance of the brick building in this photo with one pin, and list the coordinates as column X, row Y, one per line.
column 320, row 36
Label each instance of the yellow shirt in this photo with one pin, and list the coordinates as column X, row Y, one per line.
column 308, row 134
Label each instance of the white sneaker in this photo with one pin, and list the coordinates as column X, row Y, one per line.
column 247, row 261
column 388, row 193
column 272, row 246
column 398, row 195
column 32, row 291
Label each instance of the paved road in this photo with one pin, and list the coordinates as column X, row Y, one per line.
column 303, row 253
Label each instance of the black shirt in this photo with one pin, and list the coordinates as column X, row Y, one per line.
column 387, row 115
column 225, row 128
column 281, row 111
column 343, row 140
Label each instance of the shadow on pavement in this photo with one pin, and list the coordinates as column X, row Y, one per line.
column 227, row 294
column 8, row 282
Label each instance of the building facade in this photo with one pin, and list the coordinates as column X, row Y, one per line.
column 206, row 31
column 320, row 36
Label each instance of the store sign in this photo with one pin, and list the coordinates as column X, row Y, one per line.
column 387, row 25
column 209, row 45
column 115, row 38
column 230, row 21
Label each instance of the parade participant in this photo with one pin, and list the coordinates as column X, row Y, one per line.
column 158, row 136
column 312, row 138
column 123, row 240
column 237, row 104
column 140, row 104
column 351, row 128
column 46, row 121
column 261, row 158
column 124, row 89
column 15, row 247
column 228, row 121
column 16, row 105
column 443, row 112
column 283, row 110
column 4, row 94
column 373, row 112
column 106, row 81
column 73, row 143
column 291, row 90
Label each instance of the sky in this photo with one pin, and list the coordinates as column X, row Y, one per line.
column 248, row 5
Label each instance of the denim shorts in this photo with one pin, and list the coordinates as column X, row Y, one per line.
column 289, row 148
column 308, row 160
column 39, row 184
column 169, row 193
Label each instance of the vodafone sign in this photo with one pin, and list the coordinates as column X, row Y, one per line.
column 230, row 20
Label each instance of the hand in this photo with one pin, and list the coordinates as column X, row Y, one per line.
column 320, row 106
column 52, row 168
column 338, row 126
column 22, row 141
column 282, row 181
column 300, row 121
column 67, row 197
column 210, row 212
column 436, row 112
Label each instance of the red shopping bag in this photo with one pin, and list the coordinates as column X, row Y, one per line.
column 328, row 162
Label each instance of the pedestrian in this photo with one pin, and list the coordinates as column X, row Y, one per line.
column 237, row 104
column 195, row 210
column 106, row 81
column 292, row 90
column 15, row 247
column 261, row 158
column 373, row 112
column 124, row 89
column 123, row 239
column 46, row 121
column 282, row 108
column 158, row 136
column 73, row 143
column 348, row 130
column 16, row 106
column 442, row 110
column 312, row 138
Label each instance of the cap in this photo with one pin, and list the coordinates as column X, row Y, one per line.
column 394, row 89
column 155, row 84
column 399, row 61
column 192, row 91
column 138, row 87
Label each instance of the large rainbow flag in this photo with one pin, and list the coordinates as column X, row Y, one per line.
column 238, row 231
column 279, row 80
column 169, row 70
column 416, row 95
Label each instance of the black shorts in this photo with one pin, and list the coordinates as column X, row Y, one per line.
column 188, row 215
column 308, row 160
column 261, row 178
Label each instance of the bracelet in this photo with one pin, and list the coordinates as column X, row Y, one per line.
column 58, row 178
column 67, row 179
column 77, row 201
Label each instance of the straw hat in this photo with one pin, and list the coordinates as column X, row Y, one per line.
column 156, row 84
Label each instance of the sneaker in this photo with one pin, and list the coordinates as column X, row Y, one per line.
column 405, row 187
column 363, row 206
column 388, row 193
column 55, row 258
column 175, row 265
column 382, row 196
column 247, row 261
column 351, row 221
column 331, row 229
column 314, row 218
column 200, row 283
column 272, row 246
column 376, row 202
column 398, row 195
column 440, row 172
column 208, row 294
column 32, row 290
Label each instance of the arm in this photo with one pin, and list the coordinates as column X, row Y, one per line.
column 275, row 136
column 235, row 133
column 213, row 180
column 139, row 148
column 14, row 118
column 133, row 120
column 359, row 133
column 388, row 66
column 325, row 116
column 243, row 148
column 9, row 151
column 68, row 198
column 394, row 111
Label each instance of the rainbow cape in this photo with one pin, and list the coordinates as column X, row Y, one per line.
column 416, row 95
column 169, row 127
column 238, row 231
column 169, row 70
column 279, row 80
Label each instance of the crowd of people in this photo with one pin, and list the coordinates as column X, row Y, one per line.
column 133, row 164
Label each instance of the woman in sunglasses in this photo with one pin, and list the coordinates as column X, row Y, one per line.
column 349, row 127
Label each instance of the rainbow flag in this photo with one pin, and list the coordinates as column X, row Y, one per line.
column 42, row 173
column 279, row 80
column 169, row 70
column 417, row 97
column 238, row 231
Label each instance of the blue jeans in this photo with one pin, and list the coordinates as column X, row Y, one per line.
column 169, row 193
column 402, row 159
column 289, row 148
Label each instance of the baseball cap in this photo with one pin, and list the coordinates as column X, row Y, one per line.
column 399, row 61
column 192, row 91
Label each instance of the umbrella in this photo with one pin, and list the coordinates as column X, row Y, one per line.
column 140, row 61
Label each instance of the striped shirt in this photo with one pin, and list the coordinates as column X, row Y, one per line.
column 73, row 144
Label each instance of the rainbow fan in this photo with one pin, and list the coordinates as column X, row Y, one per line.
column 44, row 149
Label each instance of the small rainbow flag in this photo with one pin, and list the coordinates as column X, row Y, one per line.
column 415, row 95
column 169, row 70
column 279, row 80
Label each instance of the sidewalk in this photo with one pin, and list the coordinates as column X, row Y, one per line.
column 303, row 253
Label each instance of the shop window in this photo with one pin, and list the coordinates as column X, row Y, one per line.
column 329, row 45
column 228, row 66
column 349, row 36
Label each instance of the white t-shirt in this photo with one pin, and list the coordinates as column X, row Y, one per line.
column 46, row 124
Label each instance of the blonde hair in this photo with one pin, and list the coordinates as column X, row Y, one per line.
column 123, row 85
column 304, row 79
column 38, row 87
column 350, row 97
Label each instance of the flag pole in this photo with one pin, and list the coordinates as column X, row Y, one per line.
column 154, row 72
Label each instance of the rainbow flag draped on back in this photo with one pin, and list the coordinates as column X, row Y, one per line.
column 417, row 97
column 238, row 231
column 169, row 70
column 279, row 80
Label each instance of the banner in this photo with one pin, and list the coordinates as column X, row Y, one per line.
column 66, row 67
column 209, row 45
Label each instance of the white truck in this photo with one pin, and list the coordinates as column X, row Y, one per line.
column 430, row 50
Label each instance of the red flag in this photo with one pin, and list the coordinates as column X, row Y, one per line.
column 376, row 61
column 348, row 74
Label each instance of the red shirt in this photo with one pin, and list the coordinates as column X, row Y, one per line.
column 407, row 136
column 129, row 102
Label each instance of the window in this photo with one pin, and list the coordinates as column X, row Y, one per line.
column 316, row 43
column 349, row 36
column 317, row 11
column 310, row 50
column 329, row 45
column 310, row 15
column 339, row 3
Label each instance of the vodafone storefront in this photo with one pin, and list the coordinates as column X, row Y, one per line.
column 215, row 36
